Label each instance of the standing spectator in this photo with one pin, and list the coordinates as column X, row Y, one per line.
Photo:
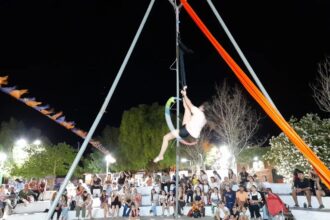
column 58, row 208
column 254, row 200
column 89, row 206
column 154, row 201
column 243, row 175
column 104, row 204
column 80, row 205
column 137, row 198
column 301, row 186
column 64, row 207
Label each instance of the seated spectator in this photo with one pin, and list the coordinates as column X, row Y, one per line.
column 241, row 197
column 243, row 175
column 320, row 189
column 2, row 199
column 41, row 189
column 134, row 212
column 229, row 198
column 301, row 187
column 244, row 214
column 121, row 180
column 235, row 213
column 222, row 212
column 215, row 198
column 33, row 186
column 254, row 200
column 25, row 195
column 251, row 182
column 149, row 180
column 96, row 184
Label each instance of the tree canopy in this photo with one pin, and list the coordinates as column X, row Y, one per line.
column 314, row 131
column 141, row 131
column 49, row 161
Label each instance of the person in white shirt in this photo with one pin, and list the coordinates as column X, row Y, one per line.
column 222, row 212
column 192, row 124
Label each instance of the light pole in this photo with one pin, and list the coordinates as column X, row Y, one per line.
column 3, row 158
column 109, row 159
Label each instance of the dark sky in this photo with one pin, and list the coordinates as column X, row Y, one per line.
column 67, row 54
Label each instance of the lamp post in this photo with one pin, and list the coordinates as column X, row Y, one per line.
column 109, row 159
column 3, row 158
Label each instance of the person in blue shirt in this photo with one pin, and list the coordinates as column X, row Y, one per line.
column 229, row 197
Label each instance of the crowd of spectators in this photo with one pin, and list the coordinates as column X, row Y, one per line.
column 234, row 197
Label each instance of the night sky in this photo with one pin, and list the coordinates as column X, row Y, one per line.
column 67, row 54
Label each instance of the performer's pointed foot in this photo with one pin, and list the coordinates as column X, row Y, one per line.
column 158, row 158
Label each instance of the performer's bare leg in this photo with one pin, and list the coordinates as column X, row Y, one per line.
column 169, row 136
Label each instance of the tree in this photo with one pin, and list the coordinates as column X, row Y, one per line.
column 141, row 131
column 94, row 163
column 232, row 118
column 49, row 161
column 321, row 88
column 286, row 157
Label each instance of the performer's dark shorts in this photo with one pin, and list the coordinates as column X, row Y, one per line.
column 183, row 133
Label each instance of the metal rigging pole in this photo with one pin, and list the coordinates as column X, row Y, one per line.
column 177, row 36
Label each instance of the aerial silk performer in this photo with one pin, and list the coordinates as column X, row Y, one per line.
column 193, row 122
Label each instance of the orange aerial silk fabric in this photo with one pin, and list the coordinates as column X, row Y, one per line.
column 318, row 165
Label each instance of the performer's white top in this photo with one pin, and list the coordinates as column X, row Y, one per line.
column 196, row 123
